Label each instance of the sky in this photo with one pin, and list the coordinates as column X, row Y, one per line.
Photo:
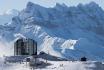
column 6, row 5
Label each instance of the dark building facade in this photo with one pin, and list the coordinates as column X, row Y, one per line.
column 83, row 59
column 25, row 47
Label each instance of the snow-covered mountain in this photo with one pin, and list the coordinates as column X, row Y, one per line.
column 70, row 32
column 7, row 16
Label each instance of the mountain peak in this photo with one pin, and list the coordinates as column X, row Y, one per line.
column 30, row 4
column 60, row 5
column 93, row 4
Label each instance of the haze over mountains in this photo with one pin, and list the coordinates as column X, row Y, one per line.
column 7, row 16
column 70, row 32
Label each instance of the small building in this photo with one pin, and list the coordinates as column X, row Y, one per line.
column 83, row 59
column 24, row 46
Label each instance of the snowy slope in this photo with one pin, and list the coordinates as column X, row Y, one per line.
column 62, row 31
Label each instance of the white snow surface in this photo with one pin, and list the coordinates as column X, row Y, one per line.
column 56, row 65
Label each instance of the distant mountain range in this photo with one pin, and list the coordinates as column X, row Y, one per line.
column 70, row 32
column 7, row 16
